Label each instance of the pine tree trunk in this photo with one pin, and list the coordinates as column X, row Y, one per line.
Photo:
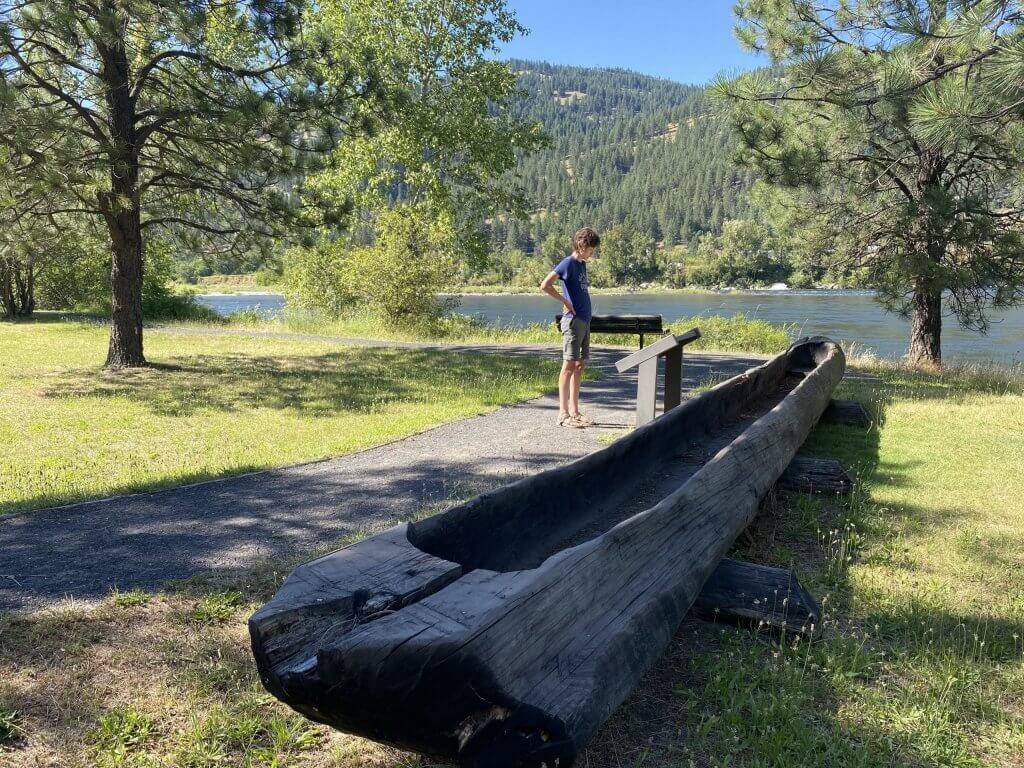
column 122, row 210
column 17, row 288
column 24, row 283
column 125, row 349
column 928, row 235
column 8, row 299
column 926, row 329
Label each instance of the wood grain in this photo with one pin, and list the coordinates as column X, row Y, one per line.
column 759, row 596
column 466, row 636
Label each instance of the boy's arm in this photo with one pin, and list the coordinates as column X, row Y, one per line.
column 548, row 287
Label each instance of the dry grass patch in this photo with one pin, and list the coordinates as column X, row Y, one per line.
column 168, row 681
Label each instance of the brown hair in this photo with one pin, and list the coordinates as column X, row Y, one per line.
column 585, row 238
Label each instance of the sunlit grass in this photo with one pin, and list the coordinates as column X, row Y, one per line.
column 920, row 661
column 921, row 658
column 212, row 406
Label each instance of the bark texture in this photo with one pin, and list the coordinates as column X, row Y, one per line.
column 121, row 206
column 925, row 329
column 471, row 637
column 17, row 288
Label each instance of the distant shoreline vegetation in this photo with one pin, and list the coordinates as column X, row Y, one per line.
column 252, row 285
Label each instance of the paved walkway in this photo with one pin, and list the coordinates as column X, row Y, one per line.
column 140, row 541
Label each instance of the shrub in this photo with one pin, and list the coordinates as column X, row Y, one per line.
column 599, row 274
column 736, row 333
column 630, row 255
column 267, row 277
column 164, row 305
column 397, row 278
column 314, row 278
column 531, row 272
column 742, row 256
column 672, row 264
column 246, row 317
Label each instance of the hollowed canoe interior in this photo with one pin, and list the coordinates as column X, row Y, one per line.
column 519, row 526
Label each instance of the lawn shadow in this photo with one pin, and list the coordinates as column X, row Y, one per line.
column 355, row 379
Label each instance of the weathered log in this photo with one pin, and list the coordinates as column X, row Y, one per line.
column 758, row 595
column 822, row 476
column 848, row 412
column 480, row 635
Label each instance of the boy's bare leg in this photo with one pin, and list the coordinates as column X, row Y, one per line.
column 577, row 376
column 565, row 385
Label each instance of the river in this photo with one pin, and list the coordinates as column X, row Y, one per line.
column 847, row 315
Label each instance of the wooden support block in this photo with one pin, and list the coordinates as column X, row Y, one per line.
column 744, row 593
column 807, row 475
column 848, row 412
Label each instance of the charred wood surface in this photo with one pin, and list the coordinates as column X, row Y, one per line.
column 822, row 476
column 472, row 636
column 758, row 596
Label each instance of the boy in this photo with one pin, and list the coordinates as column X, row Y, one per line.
column 572, row 271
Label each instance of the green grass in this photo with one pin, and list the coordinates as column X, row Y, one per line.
column 130, row 599
column 921, row 659
column 919, row 662
column 10, row 732
column 216, row 607
column 119, row 735
column 212, row 406
column 718, row 334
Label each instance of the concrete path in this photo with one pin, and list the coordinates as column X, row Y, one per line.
column 140, row 541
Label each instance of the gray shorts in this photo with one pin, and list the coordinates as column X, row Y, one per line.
column 575, row 338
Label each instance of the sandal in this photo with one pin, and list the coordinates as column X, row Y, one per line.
column 583, row 420
column 565, row 420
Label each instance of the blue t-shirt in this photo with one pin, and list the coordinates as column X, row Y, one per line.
column 574, row 277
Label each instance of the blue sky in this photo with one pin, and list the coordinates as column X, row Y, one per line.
column 685, row 40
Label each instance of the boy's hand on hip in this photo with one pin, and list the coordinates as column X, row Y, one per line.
column 569, row 309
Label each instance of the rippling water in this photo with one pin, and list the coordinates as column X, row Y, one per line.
column 847, row 315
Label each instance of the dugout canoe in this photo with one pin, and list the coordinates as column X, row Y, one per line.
column 506, row 630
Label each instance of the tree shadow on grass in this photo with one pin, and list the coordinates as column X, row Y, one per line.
column 355, row 379
column 141, row 541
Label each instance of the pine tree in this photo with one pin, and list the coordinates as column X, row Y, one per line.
column 191, row 119
column 897, row 127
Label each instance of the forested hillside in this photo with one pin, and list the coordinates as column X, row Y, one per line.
column 642, row 159
column 626, row 149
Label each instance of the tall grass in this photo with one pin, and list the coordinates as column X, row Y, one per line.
column 723, row 334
